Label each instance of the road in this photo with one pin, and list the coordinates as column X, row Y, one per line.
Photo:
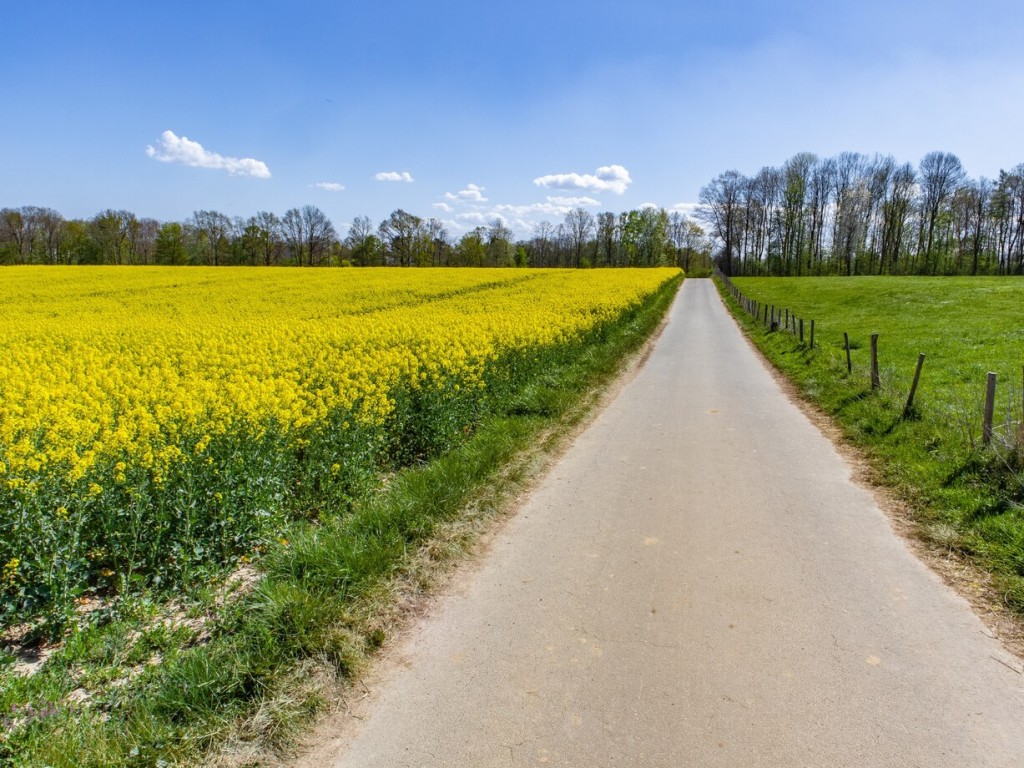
column 697, row 582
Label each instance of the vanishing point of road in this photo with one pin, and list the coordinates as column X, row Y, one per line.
column 696, row 582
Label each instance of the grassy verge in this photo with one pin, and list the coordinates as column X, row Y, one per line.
column 964, row 496
column 154, row 685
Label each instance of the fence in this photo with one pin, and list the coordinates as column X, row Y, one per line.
column 783, row 319
column 774, row 318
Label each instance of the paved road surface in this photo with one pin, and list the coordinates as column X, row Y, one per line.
column 697, row 583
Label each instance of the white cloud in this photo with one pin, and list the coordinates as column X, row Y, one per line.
column 687, row 209
column 655, row 206
column 475, row 217
column 182, row 150
column 330, row 186
column 607, row 178
column 473, row 193
column 454, row 226
column 444, row 207
column 534, row 209
column 574, row 202
column 555, row 206
column 394, row 176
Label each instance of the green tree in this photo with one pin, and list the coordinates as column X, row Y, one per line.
column 471, row 250
column 365, row 248
column 401, row 232
column 170, row 245
column 110, row 230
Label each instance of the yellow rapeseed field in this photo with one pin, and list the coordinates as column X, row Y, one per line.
column 114, row 379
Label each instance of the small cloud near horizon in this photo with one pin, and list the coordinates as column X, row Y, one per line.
column 473, row 193
column 607, row 178
column 330, row 186
column 394, row 176
column 181, row 150
column 574, row 202
column 475, row 217
column 688, row 209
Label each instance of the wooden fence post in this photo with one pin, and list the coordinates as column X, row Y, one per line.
column 913, row 387
column 1020, row 437
column 990, row 407
column 801, row 330
column 875, row 380
column 812, row 334
column 849, row 362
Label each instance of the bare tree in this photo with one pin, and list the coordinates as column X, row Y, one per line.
column 319, row 234
column 440, row 245
column 579, row 226
column 142, row 240
column 50, row 235
column 543, row 232
column 940, row 174
column 270, row 237
column 797, row 176
column 970, row 205
column 213, row 230
column 363, row 243
column 293, row 229
column 720, row 206
column 1006, row 212
column 895, row 210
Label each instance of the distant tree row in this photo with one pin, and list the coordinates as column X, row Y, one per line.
column 306, row 237
column 854, row 214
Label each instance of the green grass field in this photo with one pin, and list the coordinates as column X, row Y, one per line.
column 965, row 496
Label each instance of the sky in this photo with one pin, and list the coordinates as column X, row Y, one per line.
column 467, row 111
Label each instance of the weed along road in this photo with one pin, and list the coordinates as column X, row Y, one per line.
column 696, row 582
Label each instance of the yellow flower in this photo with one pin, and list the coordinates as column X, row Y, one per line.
column 10, row 571
column 160, row 362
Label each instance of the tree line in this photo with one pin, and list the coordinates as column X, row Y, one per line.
column 307, row 237
column 858, row 215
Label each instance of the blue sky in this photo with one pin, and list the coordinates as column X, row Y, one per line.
column 513, row 110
